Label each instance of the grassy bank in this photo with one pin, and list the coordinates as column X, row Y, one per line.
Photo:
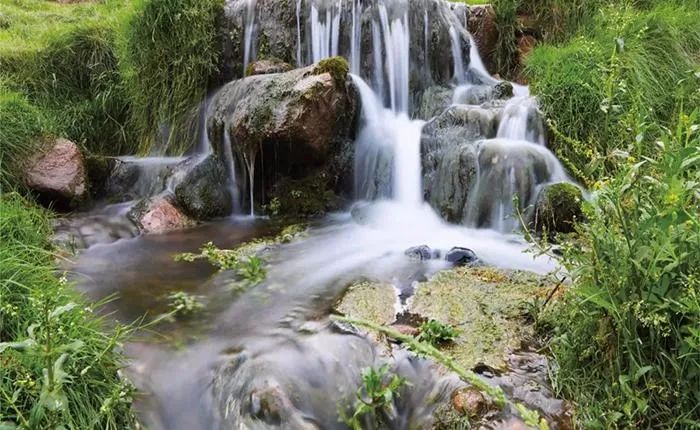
column 58, row 367
column 620, row 85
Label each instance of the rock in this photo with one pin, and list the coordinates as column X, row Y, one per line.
column 267, row 67
column 202, row 193
column 450, row 157
column 420, row 253
column 370, row 301
column 158, row 215
column 433, row 102
column 99, row 169
column 558, row 208
column 291, row 124
column 461, row 256
column 503, row 90
column 470, row 402
column 486, row 305
column 58, row 174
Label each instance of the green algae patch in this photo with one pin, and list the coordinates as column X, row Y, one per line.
column 369, row 301
column 486, row 306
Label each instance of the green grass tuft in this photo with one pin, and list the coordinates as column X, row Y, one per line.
column 171, row 51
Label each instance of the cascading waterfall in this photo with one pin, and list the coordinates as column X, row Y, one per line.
column 521, row 121
column 397, row 65
column 231, row 171
column 457, row 56
column 325, row 29
column 249, row 36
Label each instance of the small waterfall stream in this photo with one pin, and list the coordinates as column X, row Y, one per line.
column 274, row 339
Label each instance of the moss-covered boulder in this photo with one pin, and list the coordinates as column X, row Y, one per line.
column 486, row 305
column 369, row 301
column 558, row 208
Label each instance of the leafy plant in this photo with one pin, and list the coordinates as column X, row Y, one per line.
column 183, row 304
column 242, row 260
column 626, row 338
column 375, row 398
column 436, row 333
column 253, row 270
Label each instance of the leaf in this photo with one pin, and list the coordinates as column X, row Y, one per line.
column 642, row 371
column 25, row 344
column 7, row 426
column 62, row 310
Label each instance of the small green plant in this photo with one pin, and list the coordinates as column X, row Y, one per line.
column 375, row 398
column 182, row 304
column 252, row 270
column 436, row 333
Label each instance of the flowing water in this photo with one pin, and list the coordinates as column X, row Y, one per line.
column 268, row 356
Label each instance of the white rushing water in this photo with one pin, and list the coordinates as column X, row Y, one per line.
column 249, row 36
column 457, row 57
column 521, row 120
column 325, row 29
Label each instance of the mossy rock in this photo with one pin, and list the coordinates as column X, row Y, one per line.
column 369, row 301
column 558, row 209
column 486, row 305
column 312, row 195
column 337, row 67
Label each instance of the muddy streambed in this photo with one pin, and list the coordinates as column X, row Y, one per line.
column 267, row 356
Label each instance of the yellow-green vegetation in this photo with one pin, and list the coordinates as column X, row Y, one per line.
column 58, row 365
column 369, row 301
column 486, row 306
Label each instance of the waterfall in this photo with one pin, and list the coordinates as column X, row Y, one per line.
column 396, row 44
column 457, row 56
column 231, row 171
column 325, row 30
column 521, row 121
column 475, row 61
column 300, row 61
column 249, row 41
column 388, row 157
column 507, row 169
column 356, row 37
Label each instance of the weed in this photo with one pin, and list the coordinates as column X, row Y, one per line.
column 436, row 333
column 183, row 304
column 58, row 367
column 375, row 398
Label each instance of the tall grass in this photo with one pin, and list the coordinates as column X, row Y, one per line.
column 171, row 52
column 20, row 124
column 506, row 21
column 630, row 70
column 627, row 339
column 58, row 369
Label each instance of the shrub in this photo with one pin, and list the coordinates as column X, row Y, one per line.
column 171, row 51
column 436, row 333
column 58, row 369
column 627, row 339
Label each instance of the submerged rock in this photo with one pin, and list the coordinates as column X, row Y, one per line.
column 158, row 215
column 58, row 174
column 461, row 256
column 558, row 208
column 371, row 301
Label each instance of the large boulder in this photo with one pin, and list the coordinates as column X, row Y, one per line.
column 158, row 215
column 267, row 67
column 450, row 157
column 201, row 191
column 290, row 124
column 58, row 174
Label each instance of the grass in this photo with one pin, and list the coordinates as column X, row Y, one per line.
column 627, row 337
column 58, row 367
column 171, row 52
column 610, row 91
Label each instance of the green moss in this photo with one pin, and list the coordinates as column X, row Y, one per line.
column 369, row 301
column 485, row 305
column 337, row 67
column 559, row 207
